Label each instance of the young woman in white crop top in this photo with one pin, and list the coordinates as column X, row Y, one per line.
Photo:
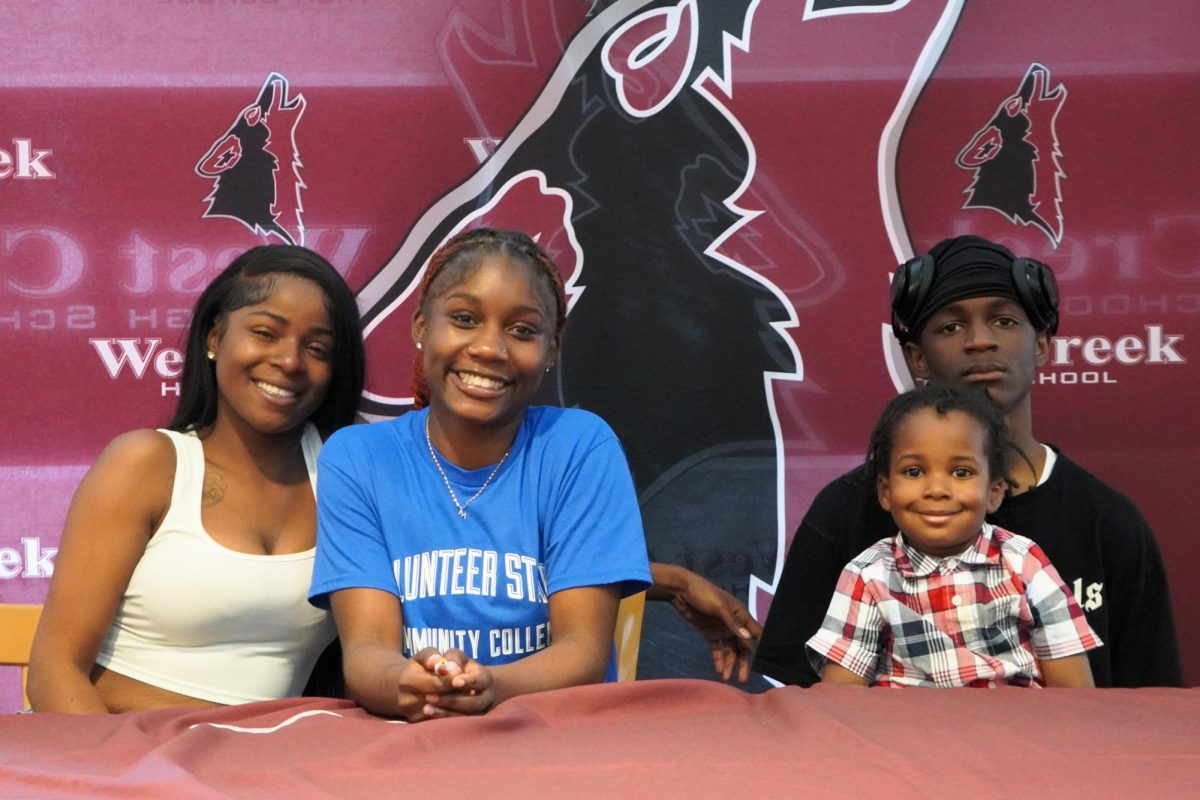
column 185, row 562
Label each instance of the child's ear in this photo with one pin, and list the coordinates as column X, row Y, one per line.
column 882, row 488
column 995, row 496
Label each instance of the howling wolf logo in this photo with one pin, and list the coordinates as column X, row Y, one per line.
column 629, row 167
column 1015, row 157
column 249, row 184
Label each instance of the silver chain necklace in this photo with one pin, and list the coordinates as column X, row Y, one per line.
column 462, row 507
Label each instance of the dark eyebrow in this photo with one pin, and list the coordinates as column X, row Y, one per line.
column 470, row 298
column 955, row 458
column 531, row 310
column 282, row 320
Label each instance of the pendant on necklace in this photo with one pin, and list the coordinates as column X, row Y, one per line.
column 462, row 507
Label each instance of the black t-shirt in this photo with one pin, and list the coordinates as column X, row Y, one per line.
column 1095, row 537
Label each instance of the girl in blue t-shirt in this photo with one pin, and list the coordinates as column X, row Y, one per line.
column 477, row 548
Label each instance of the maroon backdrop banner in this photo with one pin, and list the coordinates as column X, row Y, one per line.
column 726, row 185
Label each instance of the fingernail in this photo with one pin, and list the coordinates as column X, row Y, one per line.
column 744, row 633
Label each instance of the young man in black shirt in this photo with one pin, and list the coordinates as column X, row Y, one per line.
column 970, row 313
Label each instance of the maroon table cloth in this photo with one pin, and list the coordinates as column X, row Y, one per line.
column 660, row 739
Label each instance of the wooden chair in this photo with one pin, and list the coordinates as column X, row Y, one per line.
column 17, row 625
column 629, row 635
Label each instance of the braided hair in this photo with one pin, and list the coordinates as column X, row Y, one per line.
column 457, row 260
column 942, row 398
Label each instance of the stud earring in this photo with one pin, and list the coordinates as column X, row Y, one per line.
column 418, row 345
column 212, row 356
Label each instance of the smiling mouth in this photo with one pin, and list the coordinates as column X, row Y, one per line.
column 477, row 381
column 936, row 516
column 275, row 391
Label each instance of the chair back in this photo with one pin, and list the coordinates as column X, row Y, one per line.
column 18, row 622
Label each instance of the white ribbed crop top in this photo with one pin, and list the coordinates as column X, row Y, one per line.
column 205, row 621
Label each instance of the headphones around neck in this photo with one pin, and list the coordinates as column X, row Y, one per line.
column 1037, row 291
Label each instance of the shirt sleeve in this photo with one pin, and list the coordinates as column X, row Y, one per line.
column 351, row 552
column 594, row 535
column 852, row 634
column 843, row 520
column 1059, row 627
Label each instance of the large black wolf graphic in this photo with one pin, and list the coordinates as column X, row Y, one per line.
column 673, row 342
column 255, row 165
column 1015, row 157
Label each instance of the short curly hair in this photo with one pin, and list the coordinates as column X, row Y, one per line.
column 942, row 398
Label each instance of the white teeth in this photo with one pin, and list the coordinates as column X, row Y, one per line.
column 274, row 391
column 471, row 379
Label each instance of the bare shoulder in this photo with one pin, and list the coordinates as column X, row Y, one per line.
column 140, row 464
column 119, row 503
column 143, row 449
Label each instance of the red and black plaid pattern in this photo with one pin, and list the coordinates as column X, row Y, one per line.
column 986, row 616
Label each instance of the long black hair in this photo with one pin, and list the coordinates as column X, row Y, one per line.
column 942, row 398
column 246, row 281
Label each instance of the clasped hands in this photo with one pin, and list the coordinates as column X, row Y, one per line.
column 435, row 684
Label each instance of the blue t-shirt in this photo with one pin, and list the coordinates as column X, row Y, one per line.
column 560, row 513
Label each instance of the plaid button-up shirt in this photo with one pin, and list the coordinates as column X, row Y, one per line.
column 986, row 616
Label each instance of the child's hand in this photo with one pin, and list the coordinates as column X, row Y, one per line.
column 470, row 690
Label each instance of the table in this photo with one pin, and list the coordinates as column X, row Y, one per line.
column 649, row 739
